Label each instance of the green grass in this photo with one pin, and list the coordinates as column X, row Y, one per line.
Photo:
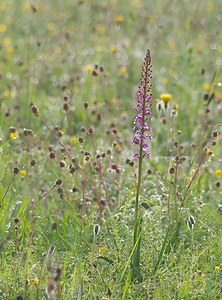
column 47, row 53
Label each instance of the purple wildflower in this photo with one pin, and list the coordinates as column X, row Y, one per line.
column 145, row 147
column 144, row 102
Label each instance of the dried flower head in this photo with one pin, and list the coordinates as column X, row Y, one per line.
column 144, row 102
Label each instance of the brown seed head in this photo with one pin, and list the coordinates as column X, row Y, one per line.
column 58, row 181
column 90, row 131
column 75, row 189
column 12, row 129
column 54, row 226
column 52, row 154
column 32, row 162
column 62, row 163
column 60, row 133
column 81, row 140
column 15, row 170
column 66, row 106
column 172, row 170
column 218, row 184
column 16, row 220
column 35, row 110
column 131, row 163
column 94, row 73
column 214, row 133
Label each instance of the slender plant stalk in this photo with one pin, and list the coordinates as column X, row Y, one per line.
column 144, row 98
column 138, row 189
column 202, row 161
column 17, row 220
column 38, row 200
column 6, row 191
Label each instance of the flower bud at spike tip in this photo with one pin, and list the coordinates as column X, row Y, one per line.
column 144, row 115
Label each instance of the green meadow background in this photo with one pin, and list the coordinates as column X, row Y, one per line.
column 69, row 72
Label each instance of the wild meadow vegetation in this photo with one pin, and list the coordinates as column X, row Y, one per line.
column 82, row 214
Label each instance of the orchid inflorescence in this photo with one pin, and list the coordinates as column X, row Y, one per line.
column 144, row 102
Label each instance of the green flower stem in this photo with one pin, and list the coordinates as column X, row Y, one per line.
column 136, row 275
column 138, row 184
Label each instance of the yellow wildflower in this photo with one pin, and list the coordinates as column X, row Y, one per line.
column 198, row 275
column 172, row 44
column 57, row 50
column 187, row 178
column 31, row 282
column 99, row 48
column 114, row 101
column 74, row 140
column 100, row 28
column 122, row 69
column 210, row 8
column 3, row 28
column 7, row 41
column 119, row 19
column 23, row 173
column 166, row 97
column 136, row 4
column 3, row 6
column 218, row 95
column 6, row 93
column 207, row 150
column 13, row 135
column 89, row 69
column 118, row 148
column 36, row 281
column 8, row 20
column 28, row 282
column 176, row 106
column 52, row 28
column 218, row 173
column 206, row 87
column 102, row 249
column 217, row 268
column 10, row 49
column 164, row 80
column 25, row 5
column 153, row 19
column 113, row 48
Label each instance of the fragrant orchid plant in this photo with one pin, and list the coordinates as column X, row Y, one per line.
column 142, row 136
